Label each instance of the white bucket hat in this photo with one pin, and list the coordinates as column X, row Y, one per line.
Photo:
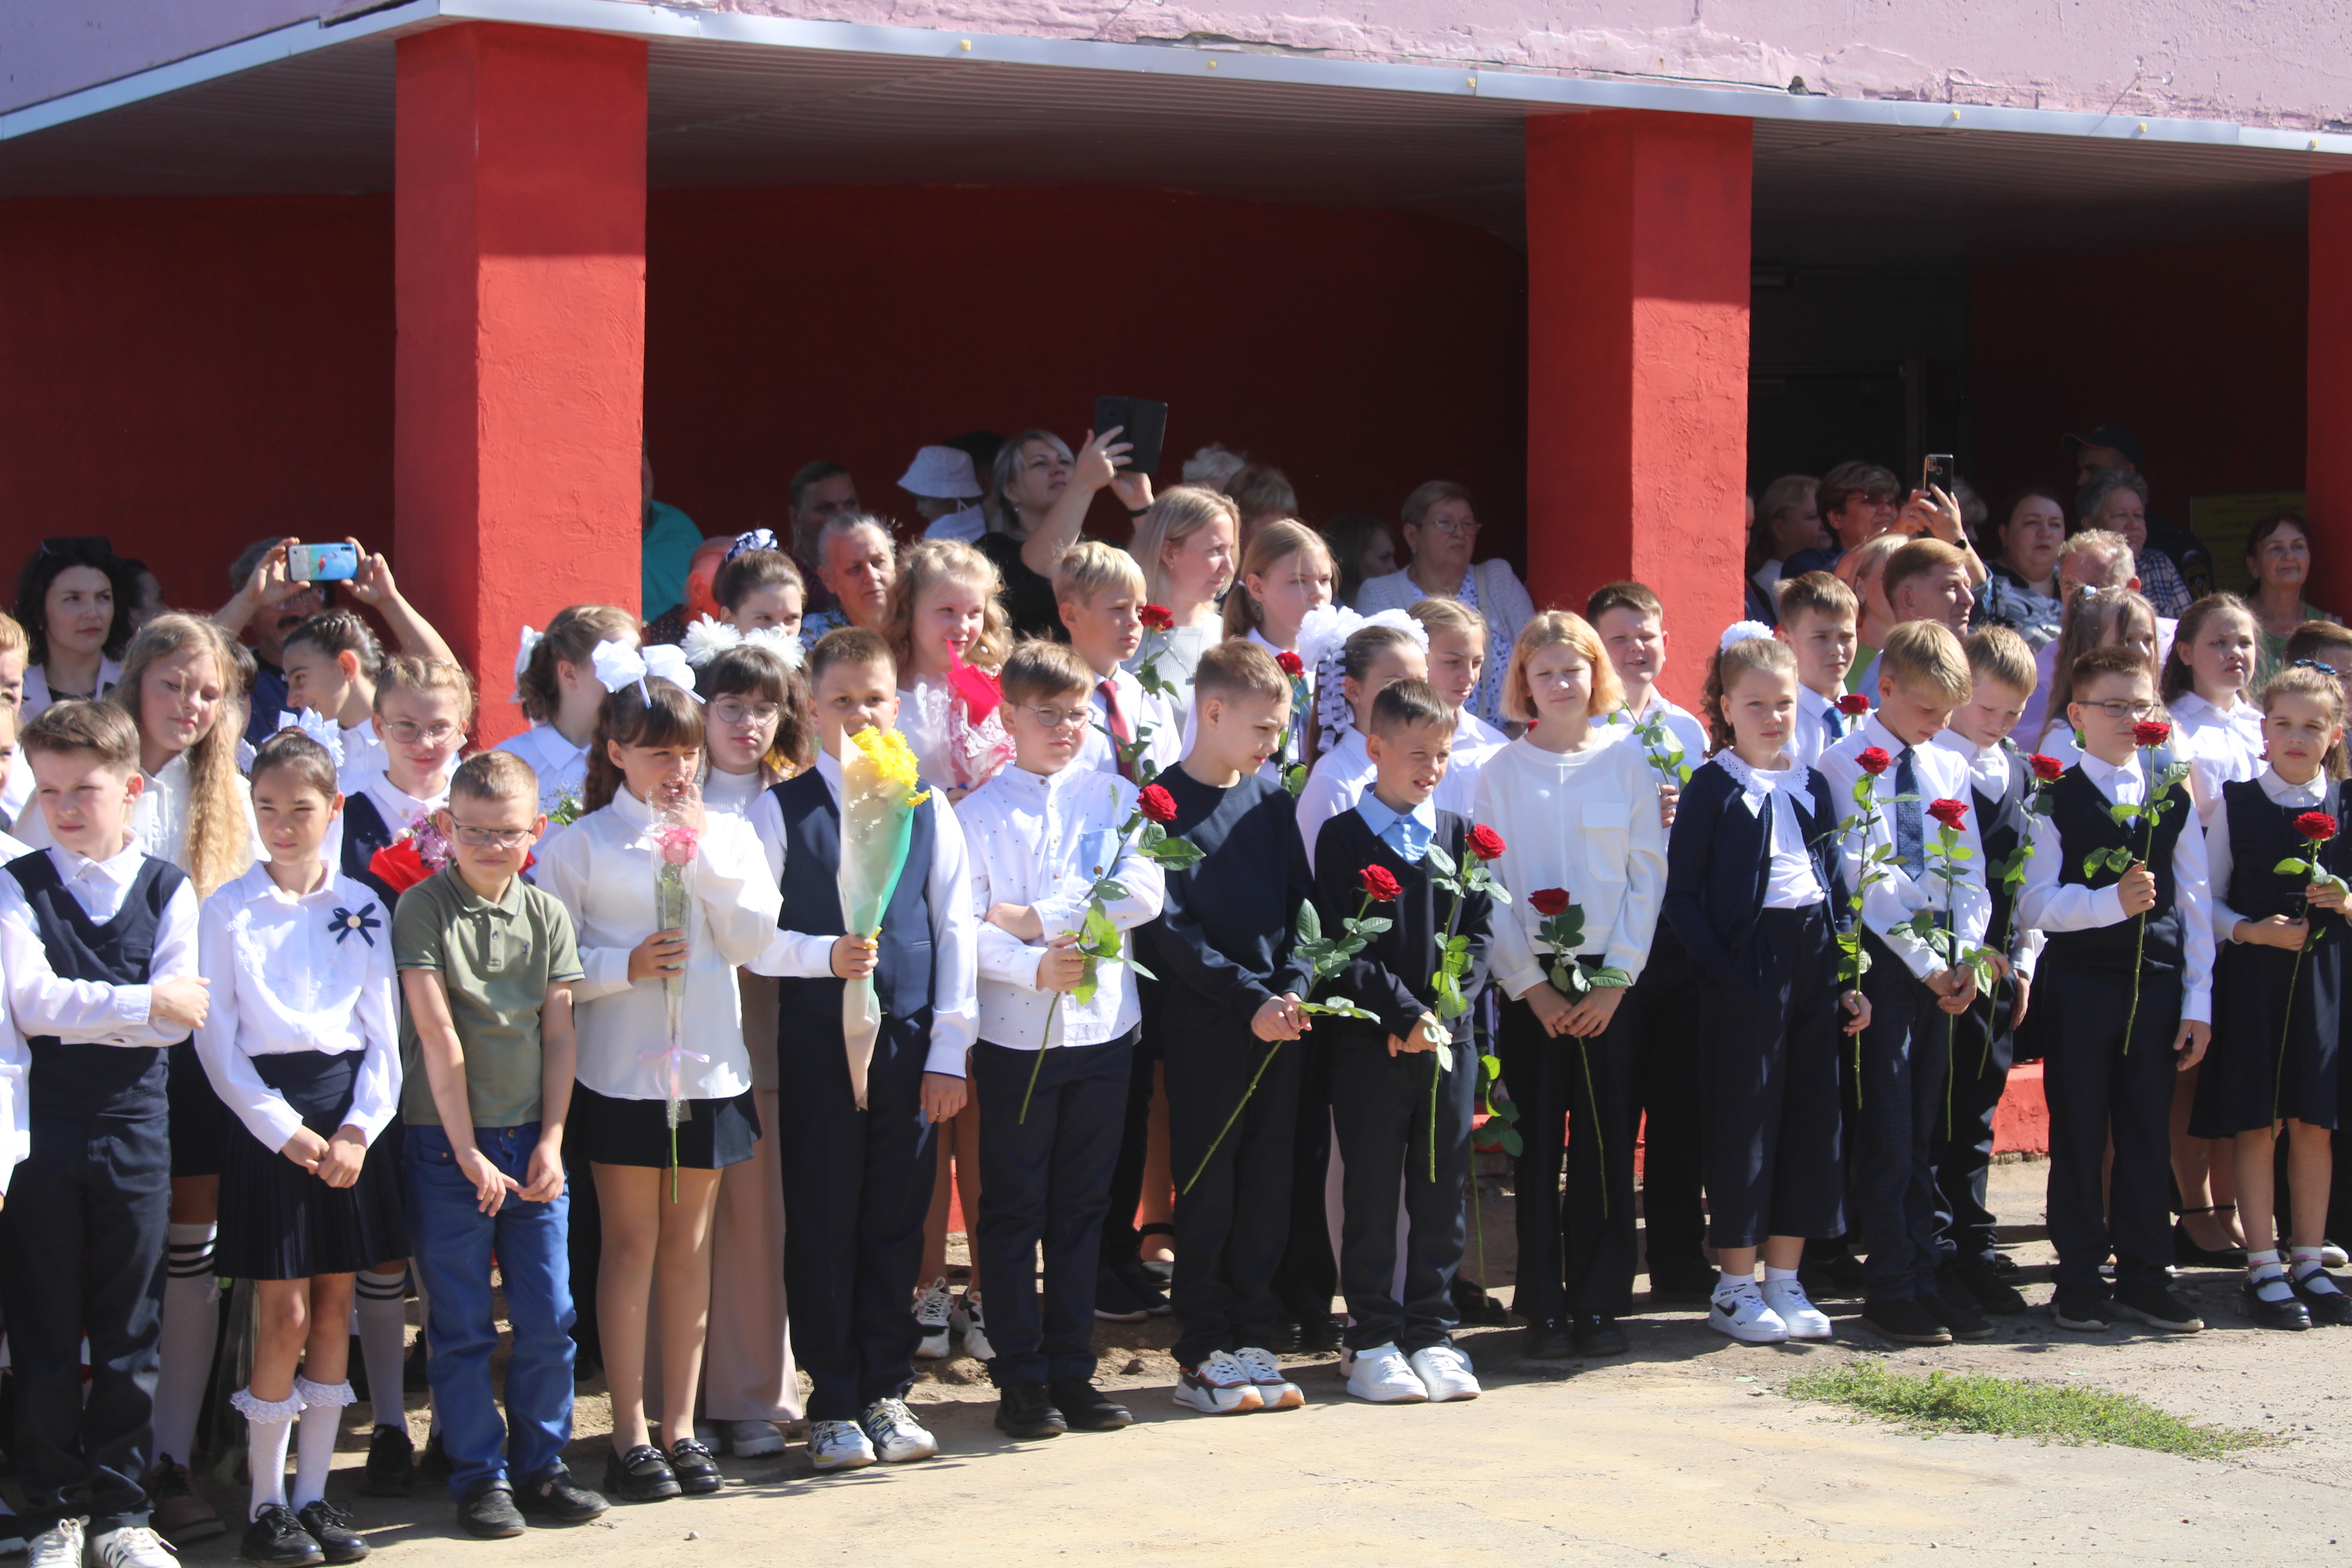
column 941, row 473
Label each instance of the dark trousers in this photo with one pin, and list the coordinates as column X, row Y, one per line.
column 1046, row 1179
column 2098, row 1089
column 1231, row 1227
column 1120, row 1240
column 1667, row 1058
column 1576, row 1101
column 1962, row 1150
column 1309, row 1275
column 857, row 1186
column 1382, row 1112
column 81, row 1251
column 1768, row 1078
column 1899, row 1099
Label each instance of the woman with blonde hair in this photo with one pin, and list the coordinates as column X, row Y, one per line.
column 1185, row 543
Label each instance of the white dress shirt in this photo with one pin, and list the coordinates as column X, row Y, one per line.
column 292, row 974
column 603, row 870
column 1810, row 735
column 1790, row 880
column 1142, row 710
column 1989, row 770
column 1041, row 840
column 562, row 770
column 1338, row 780
column 159, row 818
column 1942, row 775
column 1475, row 741
column 15, row 1114
column 2052, row 906
column 2220, row 748
column 91, row 1011
column 1584, row 821
column 801, row 955
column 2320, row 794
column 1683, row 726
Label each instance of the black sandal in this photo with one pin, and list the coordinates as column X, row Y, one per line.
column 2186, row 1253
column 1162, row 1270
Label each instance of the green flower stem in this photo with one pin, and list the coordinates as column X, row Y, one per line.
column 2278, row 1080
column 1237, row 1116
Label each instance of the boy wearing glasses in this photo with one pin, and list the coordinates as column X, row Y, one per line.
column 487, row 964
column 2125, row 982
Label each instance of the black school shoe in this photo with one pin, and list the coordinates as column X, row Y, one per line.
column 696, row 1472
column 1907, row 1322
column 552, row 1497
column 432, row 1463
column 2331, row 1309
column 391, row 1461
column 1672, row 1283
column 330, row 1527
column 1321, row 1334
column 1084, row 1408
column 1960, row 1316
column 2285, row 1313
column 276, row 1539
column 1981, row 1284
column 2158, row 1307
column 1548, row 1340
column 2083, row 1311
column 488, row 1509
column 1596, row 1334
column 641, row 1475
column 1025, row 1412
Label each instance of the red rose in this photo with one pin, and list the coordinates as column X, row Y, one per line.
column 2316, row 826
column 1952, row 814
column 2151, row 733
column 1157, row 618
column 1380, row 882
column 1874, row 761
column 1549, row 901
column 1853, row 704
column 1292, row 664
column 1486, row 843
column 1157, row 803
column 2048, row 769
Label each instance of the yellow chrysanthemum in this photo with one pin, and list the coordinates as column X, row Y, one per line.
column 893, row 762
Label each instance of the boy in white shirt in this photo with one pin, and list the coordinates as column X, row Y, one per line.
column 1051, row 1067
column 1817, row 621
column 1100, row 591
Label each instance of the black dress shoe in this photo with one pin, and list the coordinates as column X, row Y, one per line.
column 1905, row 1322
column 488, row 1509
column 433, row 1459
column 2186, row 1253
column 2331, row 1309
column 2290, row 1313
column 641, row 1475
column 1961, row 1317
column 1319, row 1334
column 1283, row 1339
column 1144, row 1288
column 1984, row 1285
column 330, row 1527
column 552, row 1497
column 1548, row 1340
column 1682, row 1282
column 1086, row 1408
column 696, row 1472
column 1025, row 1412
column 276, row 1539
column 392, row 1458
column 1596, row 1334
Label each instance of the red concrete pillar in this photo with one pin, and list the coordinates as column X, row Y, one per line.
column 520, row 262
column 1637, row 365
column 2327, row 461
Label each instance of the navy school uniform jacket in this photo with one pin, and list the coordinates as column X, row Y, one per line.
column 1718, row 859
column 1393, row 975
column 1222, row 945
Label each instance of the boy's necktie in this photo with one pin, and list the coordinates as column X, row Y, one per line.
column 1119, row 730
column 1834, row 722
column 1910, row 821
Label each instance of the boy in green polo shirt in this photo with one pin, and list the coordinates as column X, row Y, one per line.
column 487, row 962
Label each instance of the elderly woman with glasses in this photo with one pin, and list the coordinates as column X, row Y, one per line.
column 1441, row 530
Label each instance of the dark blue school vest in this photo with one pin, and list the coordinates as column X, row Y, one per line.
column 365, row 832
column 902, row 973
column 2261, row 834
column 2081, row 817
column 89, row 1080
column 2003, row 824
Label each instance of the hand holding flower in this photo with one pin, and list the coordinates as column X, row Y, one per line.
column 661, row 956
column 1061, row 965
column 2137, row 889
column 1278, row 1018
column 854, row 957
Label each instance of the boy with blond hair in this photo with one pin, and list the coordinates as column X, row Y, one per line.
column 1099, row 590
column 1817, row 621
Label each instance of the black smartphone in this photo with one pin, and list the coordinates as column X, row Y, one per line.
column 1144, row 423
column 1936, row 473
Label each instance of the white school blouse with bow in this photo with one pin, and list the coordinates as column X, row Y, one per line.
column 603, row 870
column 289, row 973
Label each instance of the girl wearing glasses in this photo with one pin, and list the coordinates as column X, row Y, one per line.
column 420, row 710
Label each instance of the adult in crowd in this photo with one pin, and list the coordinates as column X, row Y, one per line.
column 2117, row 501
column 820, row 491
column 1042, row 493
column 700, row 590
column 2278, row 558
column 1923, row 580
column 74, row 601
column 947, row 494
column 2022, row 592
column 1213, row 466
column 2113, row 448
column 1441, row 530
column 1361, row 549
column 857, row 561
column 1786, row 522
column 146, row 593
column 1857, row 502
column 666, row 548
column 1186, row 544
column 1264, row 494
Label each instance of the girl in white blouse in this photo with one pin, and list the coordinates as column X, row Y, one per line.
column 556, row 687
column 1285, row 573
column 2218, row 727
column 302, row 1045
column 1372, row 658
column 1457, row 661
column 657, row 1182
column 1577, row 816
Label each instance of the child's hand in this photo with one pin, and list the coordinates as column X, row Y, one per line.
column 1278, row 1018
column 853, row 957
column 683, row 800
column 2320, row 896
column 1668, row 794
column 306, row 1149
column 180, row 1004
column 1858, row 1007
column 1591, row 1016
column 660, row 956
column 1552, row 1009
column 546, row 1173
column 2137, row 890
column 2191, row 1041
column 491, row 1185
column 346, row 1150
column 1426, row 1035
column 2276, row 931
column 1021, row 919
column 1063, row 965
column 943, row 1096
column 1957, row 991
column 2017, row 1004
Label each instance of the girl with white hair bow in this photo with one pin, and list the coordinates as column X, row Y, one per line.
column 1353, row 658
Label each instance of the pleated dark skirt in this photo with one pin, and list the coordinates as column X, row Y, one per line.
column 715, row 1133
column 280, row 1222
column 2263, row 1064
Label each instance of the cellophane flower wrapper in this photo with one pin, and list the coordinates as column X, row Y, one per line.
column 880, row 790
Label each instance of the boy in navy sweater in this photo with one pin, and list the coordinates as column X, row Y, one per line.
column 99, row 945
column 1228, row 1000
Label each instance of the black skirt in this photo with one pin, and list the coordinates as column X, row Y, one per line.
column 280, row 1222
column 201, row 1124
column 712, row 1133
column 2263, row 1065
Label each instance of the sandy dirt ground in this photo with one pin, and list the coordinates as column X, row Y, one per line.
column 1684, row 1451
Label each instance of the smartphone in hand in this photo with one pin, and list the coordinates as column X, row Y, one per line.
column 321, row 562
column 1144, row 425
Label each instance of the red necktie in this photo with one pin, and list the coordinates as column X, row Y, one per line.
column 1119, row 728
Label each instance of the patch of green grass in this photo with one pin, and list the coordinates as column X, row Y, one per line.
column 2014, row 1407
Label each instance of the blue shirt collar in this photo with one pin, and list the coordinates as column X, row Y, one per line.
column 1408, row 833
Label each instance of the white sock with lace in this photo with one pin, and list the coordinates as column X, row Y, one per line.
column 314, row 1445
column 383, row 1340
column 268, row 1422
column 191, row 1327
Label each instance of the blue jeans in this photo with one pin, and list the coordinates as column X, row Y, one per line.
column 454, row 1242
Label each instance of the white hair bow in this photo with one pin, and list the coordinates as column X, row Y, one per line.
column 531, row 641
column 319, row 727
column 707, row 639
column 620, row 666
column 757, row 539
column 784, row 645
column 1740, row 631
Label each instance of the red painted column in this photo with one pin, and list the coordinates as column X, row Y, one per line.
column 520, row 271
column 2328, row 463
column 1637, row 365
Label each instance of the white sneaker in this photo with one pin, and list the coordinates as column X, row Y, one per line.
column 1220, row 1385
column 753, row 1439
column 838, row 1446
column 1805, row 1321
column 974, row 1331
column 1741, row 1313
column 131, row 1546
column 1275, row 1391
column 12, row 1534
column 1445, row 1372
column 932, row 1315
column 897, row 1437
column 1383, row 1376
column 60, row 1546
column 2332, row 1255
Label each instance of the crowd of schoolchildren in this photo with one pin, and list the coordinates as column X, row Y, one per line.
column 297, row 995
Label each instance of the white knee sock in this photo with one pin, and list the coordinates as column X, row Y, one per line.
column 314, row 1444
column 191, row 1323
column 269, row 1423
column 383, row 1340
